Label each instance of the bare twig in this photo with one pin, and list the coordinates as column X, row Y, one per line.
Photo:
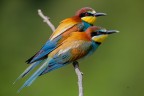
column 46, row 20
column 75, row 64
column 80, row 77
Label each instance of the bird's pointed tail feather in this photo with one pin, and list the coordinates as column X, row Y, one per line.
column 31, row 67
column 35, row 75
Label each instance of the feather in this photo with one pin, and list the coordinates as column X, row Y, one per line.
column 36, row 74
column 47, row 48
column 51, row 68
column 64, row 26
column 31, row 67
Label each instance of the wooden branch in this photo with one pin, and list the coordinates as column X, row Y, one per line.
column 46, row 20
column 80, row 77
column 75, row 64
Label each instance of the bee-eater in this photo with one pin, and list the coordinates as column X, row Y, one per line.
column 83, row 19
column 75, row 47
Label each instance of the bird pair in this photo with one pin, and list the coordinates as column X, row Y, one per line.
column 74, row 38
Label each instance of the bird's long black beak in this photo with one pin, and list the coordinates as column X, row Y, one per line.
column 111, row 31
column 100, row 14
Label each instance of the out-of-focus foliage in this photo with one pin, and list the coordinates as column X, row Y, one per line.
column 116, row 68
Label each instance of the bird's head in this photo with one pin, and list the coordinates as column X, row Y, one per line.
column 99, row 34
column 88, row 14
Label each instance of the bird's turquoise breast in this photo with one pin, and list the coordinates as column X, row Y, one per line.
column 94, row 47
column 85, row 25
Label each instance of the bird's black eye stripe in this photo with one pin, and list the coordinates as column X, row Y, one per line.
column 82, row 15
column 86, row 14
column 95, row 34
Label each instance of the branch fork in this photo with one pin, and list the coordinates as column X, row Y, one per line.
column 46, row 20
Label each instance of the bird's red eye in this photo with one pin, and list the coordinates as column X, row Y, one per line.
column 86, row 14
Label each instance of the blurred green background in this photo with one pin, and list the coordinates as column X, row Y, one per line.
column 116, row 68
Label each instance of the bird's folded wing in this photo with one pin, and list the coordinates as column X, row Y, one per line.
column 64, row 26
column 53, row 42
column 67, row 53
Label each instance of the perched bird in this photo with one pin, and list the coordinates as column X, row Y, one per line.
column 83, row 19
column 75, row 47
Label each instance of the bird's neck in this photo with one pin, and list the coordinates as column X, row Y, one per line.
column 86, row 25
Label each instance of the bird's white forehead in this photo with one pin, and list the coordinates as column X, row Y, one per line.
column 92, row 11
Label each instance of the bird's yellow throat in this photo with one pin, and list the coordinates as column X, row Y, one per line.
column 89, row 19
column 100, row 38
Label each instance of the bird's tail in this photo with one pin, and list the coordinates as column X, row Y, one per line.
column 35, row 75
column 44, row 68
column 31, row 67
